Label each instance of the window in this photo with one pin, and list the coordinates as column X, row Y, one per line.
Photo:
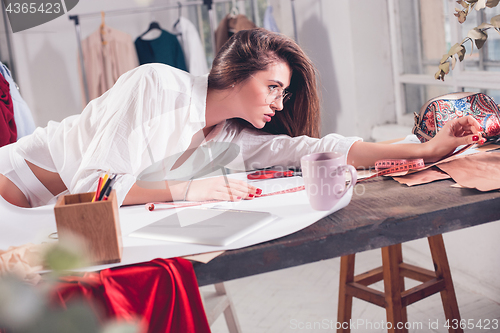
column 488, row 58
column 421, row 32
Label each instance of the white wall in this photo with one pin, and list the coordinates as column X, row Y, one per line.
column 349, row 43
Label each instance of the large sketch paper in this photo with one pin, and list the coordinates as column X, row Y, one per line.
column 20, row 226
column 210, row 226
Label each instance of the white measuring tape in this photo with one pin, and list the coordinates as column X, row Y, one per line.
column 383, row 167
column 170, row 205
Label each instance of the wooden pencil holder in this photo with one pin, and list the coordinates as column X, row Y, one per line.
column 96, row 222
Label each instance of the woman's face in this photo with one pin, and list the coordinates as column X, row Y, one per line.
column 256, row 105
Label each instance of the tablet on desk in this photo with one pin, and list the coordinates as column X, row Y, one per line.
column 208, row 226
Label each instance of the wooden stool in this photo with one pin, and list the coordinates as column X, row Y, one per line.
column 395, row 298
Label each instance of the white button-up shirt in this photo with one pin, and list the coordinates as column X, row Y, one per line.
column 147, row 117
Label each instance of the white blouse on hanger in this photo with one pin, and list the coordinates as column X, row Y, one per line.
column 194, row 53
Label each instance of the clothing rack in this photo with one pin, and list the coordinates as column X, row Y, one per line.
column 211, row 15
column 11, row 64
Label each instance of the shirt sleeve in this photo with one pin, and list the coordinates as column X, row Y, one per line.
column 112, row 134
column 151, row 113
column 261, row 150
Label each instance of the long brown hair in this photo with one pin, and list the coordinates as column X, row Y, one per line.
column 249, row 51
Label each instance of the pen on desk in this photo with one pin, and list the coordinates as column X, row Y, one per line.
column 103, row 190
column 109, row 189
column 108, row 185
column 106, row 194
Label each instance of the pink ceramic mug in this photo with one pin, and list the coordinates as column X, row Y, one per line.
column 324, row 178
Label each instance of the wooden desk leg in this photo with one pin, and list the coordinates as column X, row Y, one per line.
column 442, row 269
column 344, row 311
column 393, row 286
column 232, row 322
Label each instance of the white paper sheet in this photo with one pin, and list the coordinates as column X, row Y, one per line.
column 20, row 225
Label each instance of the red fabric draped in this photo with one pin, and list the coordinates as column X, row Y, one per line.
column 8, row 129
column 162, row 294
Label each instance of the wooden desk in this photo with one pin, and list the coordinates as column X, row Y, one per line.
column 386, row 213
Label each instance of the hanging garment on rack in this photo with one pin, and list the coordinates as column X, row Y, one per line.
column 8, row 131
column 229, row 25
column 269, row 21
column 190, row 41
column 165, row 49
column 22, row 114
column 106, row 57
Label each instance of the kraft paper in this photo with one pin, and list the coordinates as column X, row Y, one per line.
column 422, row 177
column 480, row 171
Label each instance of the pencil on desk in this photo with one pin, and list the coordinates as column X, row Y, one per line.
column 104, row 180
column 98, row 190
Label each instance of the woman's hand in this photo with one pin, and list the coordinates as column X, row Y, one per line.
column 456, row 132
column 221, row 188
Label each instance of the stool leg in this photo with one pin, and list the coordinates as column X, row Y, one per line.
column 442, row 269
column 344, row 312
column 391, row 258
column 404, row 314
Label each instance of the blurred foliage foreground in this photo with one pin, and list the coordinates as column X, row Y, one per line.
column 25, row 300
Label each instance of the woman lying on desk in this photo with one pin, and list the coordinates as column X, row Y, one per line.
column 260, row 94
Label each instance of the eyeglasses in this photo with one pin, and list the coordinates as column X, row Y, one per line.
column 275, row 93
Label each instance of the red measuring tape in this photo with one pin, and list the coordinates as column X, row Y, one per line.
column 386, row 167
column 391, row 166
column 290, row 190
column 152, row 205
column 383, row 167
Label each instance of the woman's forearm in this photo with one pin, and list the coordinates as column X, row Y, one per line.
column 169, row 192
column 365, row 154
column 456, row 132
column 213, row 188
